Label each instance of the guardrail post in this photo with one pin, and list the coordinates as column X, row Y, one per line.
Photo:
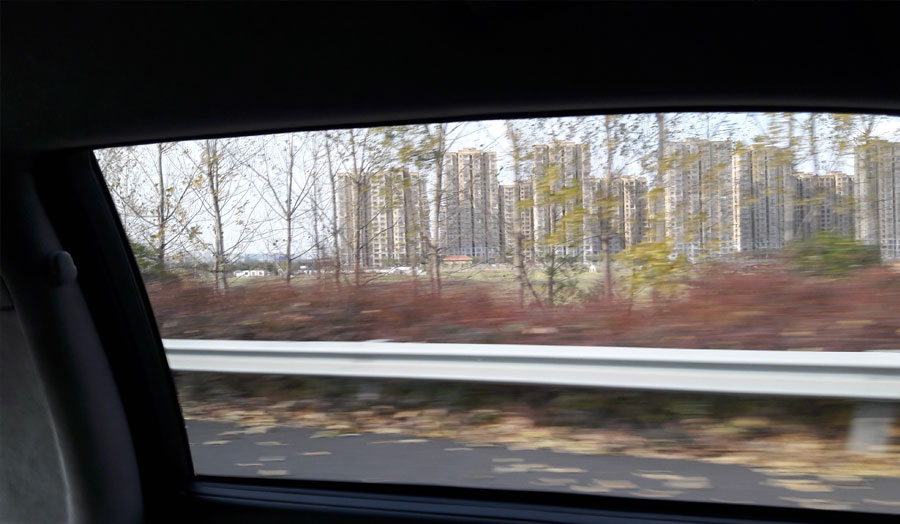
column 369, row 391
column 871, row 426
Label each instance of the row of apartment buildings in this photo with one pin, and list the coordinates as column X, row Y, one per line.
column 713, row 199
column 720, row 199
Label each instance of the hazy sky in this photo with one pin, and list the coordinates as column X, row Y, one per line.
column 492, row 137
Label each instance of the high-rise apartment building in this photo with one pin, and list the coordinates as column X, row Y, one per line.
column 471, row 205
column 355, row 212
column 764, row 193
column 381, row 217
column 699, row 202
column 878, row 196
column 559, row 173
column 823, row 204
column 656, row 215
column 712, row 201
column 511, row 197
column 593, row 190
column 623, row 211
column 632, row 199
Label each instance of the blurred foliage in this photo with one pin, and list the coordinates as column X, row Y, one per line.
column 149, row 265
column 558, row 253
column 654, row 266
column 830, row 255
column 145, row 256
column 767, row 307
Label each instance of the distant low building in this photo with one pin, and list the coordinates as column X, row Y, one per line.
column 250, row 273
column 458, row 260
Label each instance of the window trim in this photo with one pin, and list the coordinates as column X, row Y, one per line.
column 431, row 502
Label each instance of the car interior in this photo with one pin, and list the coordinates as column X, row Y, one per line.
column 90, row 426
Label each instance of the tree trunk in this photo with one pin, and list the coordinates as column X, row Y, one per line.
column 213, row 180
column 289, row 213
column 357, row 233
column 409, row 231
column 438, row 196
column 659, row 226
column 316, row 238
column 161, row 252
column 518, row 236
column 287, row 249
column 334, row 216
column 550, row 277
column 609, row 212
column 791, row 137
column 870, row 126
column 813, row 142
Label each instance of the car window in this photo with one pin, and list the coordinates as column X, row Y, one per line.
column 685, row 306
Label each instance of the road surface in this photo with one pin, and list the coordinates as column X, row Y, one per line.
column 224, row 449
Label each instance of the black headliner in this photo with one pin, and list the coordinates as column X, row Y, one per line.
column 102, row 74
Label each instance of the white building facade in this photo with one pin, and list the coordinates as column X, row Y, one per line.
column 699, row 197
column 878, row 196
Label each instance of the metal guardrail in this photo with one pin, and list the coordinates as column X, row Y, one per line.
column 863, row 376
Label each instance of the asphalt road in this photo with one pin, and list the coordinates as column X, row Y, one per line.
column 281, row 452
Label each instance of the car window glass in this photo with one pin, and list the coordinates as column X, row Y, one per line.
column 685, row 306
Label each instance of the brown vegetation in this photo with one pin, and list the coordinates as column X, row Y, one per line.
column 768, row 307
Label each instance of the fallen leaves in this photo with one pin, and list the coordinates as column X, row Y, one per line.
column 779, row 453
column 820, row 503
column 603, row 486
column 891, row 503
column 552, row 482
column 401, row 441
column 804, row 485
column 688, row 483
column 656, row 494
column 272, row 472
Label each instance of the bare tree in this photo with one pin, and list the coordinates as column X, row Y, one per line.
column 813, row 140
column 608, row 223
column 222, row 193
column 335, row 222
column 151, row 186
column 426, row 146
column 287, row 167
column 557, row 246
column 652, row 144
column 361, row 155
column 849, row 131
column 315, row 209
column 519, row 153
column 117, row 166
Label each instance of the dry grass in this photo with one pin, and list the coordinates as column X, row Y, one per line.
column 767, row 308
